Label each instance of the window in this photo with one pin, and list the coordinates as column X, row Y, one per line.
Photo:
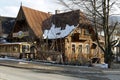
column 87, row 49
column 80, row 49
column 75, row 37
column 15, row 48
column 86, row 31
column 73, row 48
column 58, row 33
column 25, row 48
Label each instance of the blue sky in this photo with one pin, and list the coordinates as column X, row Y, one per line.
column 11, row 7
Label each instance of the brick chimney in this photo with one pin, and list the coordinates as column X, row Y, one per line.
column 57, row 11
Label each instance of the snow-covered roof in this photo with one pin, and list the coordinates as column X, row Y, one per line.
column 56, row 32
column 61, row 25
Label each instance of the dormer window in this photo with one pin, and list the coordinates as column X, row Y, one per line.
column 75, row 37
column 58, row 33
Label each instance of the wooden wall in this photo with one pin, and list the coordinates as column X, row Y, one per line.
column 78, row 47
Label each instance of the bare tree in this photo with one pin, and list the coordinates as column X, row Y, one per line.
column 98, row 12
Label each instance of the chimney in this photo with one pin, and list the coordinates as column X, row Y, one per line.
column 49, row 12
column 57, row 11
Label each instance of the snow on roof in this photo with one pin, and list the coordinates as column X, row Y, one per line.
column 56, row 32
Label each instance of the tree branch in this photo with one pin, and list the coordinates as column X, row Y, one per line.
column 113, row 28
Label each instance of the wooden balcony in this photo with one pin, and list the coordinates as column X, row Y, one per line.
column 84, row 37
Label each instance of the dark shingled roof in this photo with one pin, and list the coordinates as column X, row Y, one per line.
column 70, row 18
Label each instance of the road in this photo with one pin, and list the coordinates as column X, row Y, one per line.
column 22, row 70
column 9, row 73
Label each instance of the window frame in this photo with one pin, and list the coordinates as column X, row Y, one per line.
column 74, row 48
column 80, row 51
column 87, row 48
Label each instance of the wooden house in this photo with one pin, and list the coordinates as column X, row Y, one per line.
column 69, row 34
column 72, row 35
column 6, row 25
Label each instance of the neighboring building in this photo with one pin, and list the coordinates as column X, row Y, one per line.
column 70, row 34
column 28, row 25
column 115, row 37
column 117, row 51
column 6, row 25
column 116, row 48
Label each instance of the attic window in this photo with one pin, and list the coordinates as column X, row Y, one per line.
column 86, row 31
column 58, row 33
column 75, row 37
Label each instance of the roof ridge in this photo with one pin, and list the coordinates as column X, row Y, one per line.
column 33, row 9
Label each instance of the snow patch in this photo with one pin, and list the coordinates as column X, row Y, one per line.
column 23, row 63
column 56, row 32
column 104, row 65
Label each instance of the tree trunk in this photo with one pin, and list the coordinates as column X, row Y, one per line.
column 108, row 57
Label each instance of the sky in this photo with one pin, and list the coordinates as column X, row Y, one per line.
column 10, row 8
